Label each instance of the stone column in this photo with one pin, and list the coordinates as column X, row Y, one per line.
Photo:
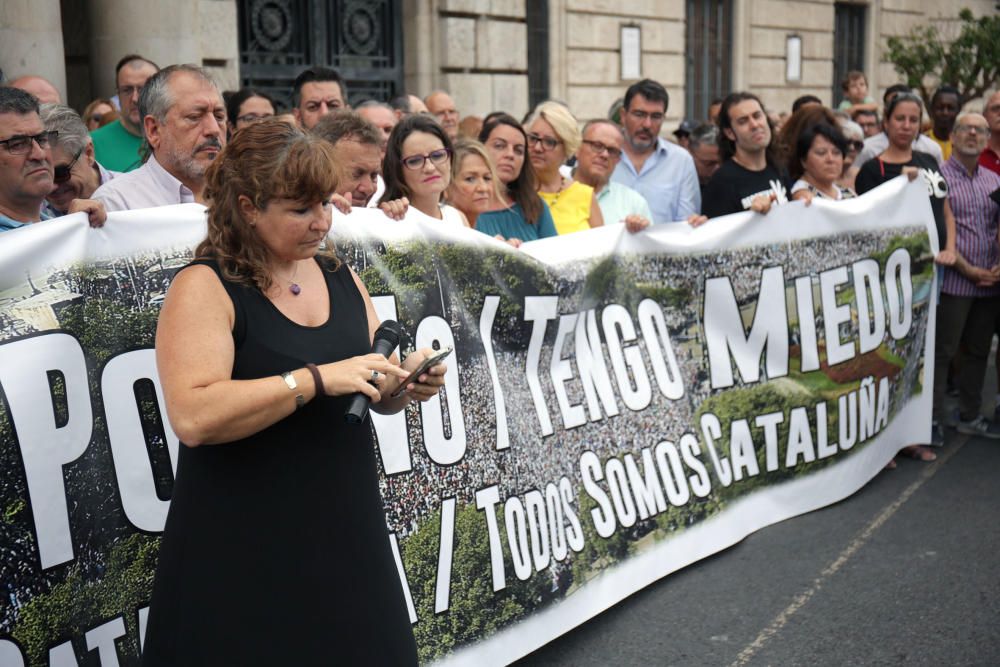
column 421, row 59
column 31, row 41
column 165, row 32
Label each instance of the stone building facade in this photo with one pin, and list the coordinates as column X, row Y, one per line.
column 490, row 54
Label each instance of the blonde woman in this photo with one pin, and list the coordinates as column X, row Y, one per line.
column 474, row 182
column 554, row 135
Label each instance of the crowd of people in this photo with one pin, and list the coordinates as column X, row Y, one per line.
column 549, row 174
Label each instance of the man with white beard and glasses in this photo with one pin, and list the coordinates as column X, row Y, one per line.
column 184, row 120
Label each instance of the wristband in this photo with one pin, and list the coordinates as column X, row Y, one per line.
column 289, row 379
column 317, row 378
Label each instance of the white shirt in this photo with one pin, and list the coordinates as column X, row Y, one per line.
column 452, row 216
column 148, row 186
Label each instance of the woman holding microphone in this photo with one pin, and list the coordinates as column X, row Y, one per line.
column 275, row 549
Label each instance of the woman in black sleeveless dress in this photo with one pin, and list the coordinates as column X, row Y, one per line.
column 275, row 549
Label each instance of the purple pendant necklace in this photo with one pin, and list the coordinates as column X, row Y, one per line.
column 293, row 286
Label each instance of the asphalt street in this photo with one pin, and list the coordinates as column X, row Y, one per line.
column 904, row 572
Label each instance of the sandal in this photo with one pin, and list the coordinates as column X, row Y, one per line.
column 919, row 452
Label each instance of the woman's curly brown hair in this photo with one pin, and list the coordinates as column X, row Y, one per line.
column 265, row 161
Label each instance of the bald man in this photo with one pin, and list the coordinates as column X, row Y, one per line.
column 44, row 91
column 380, row 115
column 442, row 106
column 407, row 105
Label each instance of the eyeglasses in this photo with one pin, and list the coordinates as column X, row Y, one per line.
column 415, row 162
column 62, row 172
column 253, row 117
column 600, row 149
column 642, row 116
column 128, row 91
column 21, row 143
column 972, row 129
column 548, row 143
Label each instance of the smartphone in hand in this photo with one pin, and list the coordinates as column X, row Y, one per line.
column 427, row 363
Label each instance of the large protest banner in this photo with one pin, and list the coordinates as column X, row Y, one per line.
column 618, row 407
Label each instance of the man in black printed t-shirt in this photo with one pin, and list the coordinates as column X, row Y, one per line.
column 749, row 178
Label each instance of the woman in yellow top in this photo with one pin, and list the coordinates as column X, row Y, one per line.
column 554, row 135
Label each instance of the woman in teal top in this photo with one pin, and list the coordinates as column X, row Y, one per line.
column 520, row 215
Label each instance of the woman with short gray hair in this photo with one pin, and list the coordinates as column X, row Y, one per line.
column 77, row 172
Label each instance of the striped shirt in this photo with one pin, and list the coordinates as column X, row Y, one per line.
column 976, row 220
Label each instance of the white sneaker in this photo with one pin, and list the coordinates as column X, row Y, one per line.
column 979, row 426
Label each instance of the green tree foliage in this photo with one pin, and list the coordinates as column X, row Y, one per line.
column 747, row 403
column 78, row 603
column 971, row 62
column 919, row 249
column 474, row 611
column 598, row 552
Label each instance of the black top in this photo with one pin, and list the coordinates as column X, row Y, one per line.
column 275, row 550
column 875, row 172
column 733, row 188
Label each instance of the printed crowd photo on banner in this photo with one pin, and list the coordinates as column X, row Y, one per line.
column 617, row 407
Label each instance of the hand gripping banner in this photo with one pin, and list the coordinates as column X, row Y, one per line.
column 618, row 407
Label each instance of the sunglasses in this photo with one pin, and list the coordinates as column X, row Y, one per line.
column 62, row 172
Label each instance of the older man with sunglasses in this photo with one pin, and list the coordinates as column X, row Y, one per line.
column 77, row 173
column 26, row 172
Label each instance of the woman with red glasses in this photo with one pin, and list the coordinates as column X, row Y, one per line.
column 77, row 172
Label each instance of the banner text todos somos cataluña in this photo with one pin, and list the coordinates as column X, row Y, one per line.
column 618, row 407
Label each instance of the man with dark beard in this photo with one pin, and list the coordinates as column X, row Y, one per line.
column 184, row 123
column 660, row 171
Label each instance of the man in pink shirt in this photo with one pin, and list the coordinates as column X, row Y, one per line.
column 184, row 123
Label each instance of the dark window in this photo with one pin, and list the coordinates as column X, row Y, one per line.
column 709, row 54
column 538, row 51
column 848, row 44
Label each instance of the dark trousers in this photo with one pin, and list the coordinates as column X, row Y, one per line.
column 968, row 322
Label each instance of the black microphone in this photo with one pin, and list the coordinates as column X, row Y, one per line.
column 386, row 340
